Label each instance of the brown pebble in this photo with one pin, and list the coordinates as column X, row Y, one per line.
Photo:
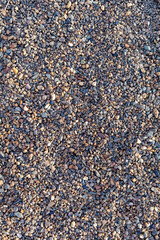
column 13, row 45
column 1, row 182
column 156, row 113
column 126, row 45
column 158, row 74
column 111, row 181
column 71, row 149
column 15, row 70
column 98, row 187
column 101, row 135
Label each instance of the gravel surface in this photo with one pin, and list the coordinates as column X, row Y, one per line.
column 79, row 120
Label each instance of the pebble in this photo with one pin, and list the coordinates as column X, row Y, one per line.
column 102, row 8
column 15, row 70
column 20, row 76
column 18, row 215
column 70, row 44
column 1, row 182
column 139, row 141
column 73, row 224
column 126, row 45
column 156, row 113
column 48, row 75
column 147, row 48
column 69, row 4
column 53, row 96
column 25, row 108
column 17, row 109
column 44, row 115
column 28, row 86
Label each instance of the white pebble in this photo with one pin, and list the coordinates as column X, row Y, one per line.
column 73, row 224
column 53, row 96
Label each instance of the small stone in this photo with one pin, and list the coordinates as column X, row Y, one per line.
column 85, row 178
column 50, row 205
column 94, row 84
column 70, row 44
column 44, row 115
column 35, row 75
column 18, row 214
column 147, row 48
column 81, row 84
column 71, row 150
column 102, row 8
column 1, row 177
column 134, row 180
column 1, row 182
column 83, row 62
column 141, row 236
column 52, row 198
column 48, row 75
column 98, row 187
column 106, row 237
column 6, row 186
column 28, row 86
column 101, row 135
column 73, row 224
column 52, row 168
column 51, row 43
column 13, row 45
column 53, row 96
column 126, row 45
column 157, row 173
column 25, row 108
column 69, row 4
column 129, row 4
column 20, row 76
column 156, row 113
column 158, row 74
column 111, row 181
column 19, row 235
column 129, row 13
column 1, row 156
column 15, row 70
column 48, row 106
column 139, row 141
column 17, row 109
column 156, row 190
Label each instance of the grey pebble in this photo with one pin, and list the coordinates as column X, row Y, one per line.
column 48, row 75
column 44, row 115
column 18, row 214
column 17, row 109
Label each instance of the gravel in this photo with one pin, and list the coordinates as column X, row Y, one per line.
column 79, row 120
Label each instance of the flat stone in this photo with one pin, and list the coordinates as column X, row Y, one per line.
column 1, row 182
column 53, row 96
column 73, row 224
column 156, row 113
column 17, row 109
column 44, row 115
column 147, row 48
column 15, row 70
column 48, row 75
column 18, row 214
